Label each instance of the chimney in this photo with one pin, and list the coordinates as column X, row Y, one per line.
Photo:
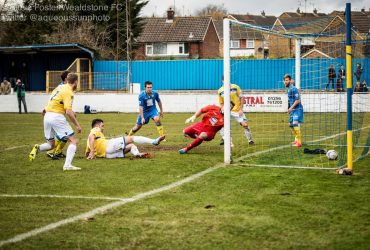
column 263, row 13
column 170, row 15
column 363, row 11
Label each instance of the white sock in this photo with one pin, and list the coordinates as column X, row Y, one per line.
column 222, row 133
column 248, row 134
column 142, row 140
column 44, row 147
column 134, row 150
column 71, row 150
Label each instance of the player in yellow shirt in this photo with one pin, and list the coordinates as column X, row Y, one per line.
column 55, row 123
column 237, row 111
column 57, row 151
column 98, row 146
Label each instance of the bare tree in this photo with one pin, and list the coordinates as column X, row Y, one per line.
column 217, row 12
column 3, row 11
column 85, row 33
column 3, row 6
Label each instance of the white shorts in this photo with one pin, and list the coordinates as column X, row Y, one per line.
column 237, row 118
column 56, row 124
column 115, row 148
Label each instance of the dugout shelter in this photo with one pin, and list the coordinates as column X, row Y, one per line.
column 30, row 63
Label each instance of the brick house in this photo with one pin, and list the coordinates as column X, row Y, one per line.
column 246, row 42
column 177, row 37
column 332, row 48
column 296, row 23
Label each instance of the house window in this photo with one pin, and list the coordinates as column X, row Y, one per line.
column 250, row 44
column 235, row 44
column 156, row 49
column 149, row 49
column 183, row 48
column 166, row 49
column 306, row 48
column 159, row 48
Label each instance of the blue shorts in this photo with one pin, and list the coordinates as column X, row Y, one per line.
column 147, row 116
column 296, row 116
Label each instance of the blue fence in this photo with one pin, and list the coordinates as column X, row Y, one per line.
column 206, row 74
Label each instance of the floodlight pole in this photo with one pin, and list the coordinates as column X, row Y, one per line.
column 227, row 134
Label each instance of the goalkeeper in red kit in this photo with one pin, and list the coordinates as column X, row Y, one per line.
column 205, row 130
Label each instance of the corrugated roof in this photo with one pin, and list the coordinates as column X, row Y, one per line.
column 47, row 48
column 182, row 29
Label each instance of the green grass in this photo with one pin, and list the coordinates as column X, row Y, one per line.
column 230, row 208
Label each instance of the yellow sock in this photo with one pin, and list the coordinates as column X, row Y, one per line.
column 294, row 134
column 51, row 151
column 59, row 147
column 298, row 134
column 56, row 143
column 131, row 132
column 160, row 130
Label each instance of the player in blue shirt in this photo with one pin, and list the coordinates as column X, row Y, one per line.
column 148, row 109
column 295, row 109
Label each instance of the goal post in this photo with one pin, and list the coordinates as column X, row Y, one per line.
column 227, row 135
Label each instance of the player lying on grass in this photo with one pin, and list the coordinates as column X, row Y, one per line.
column 98, row 146
column 205, row 130
column 295, row 110
column 55, row 123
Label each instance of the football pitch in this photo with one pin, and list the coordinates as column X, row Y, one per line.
column 173, row 201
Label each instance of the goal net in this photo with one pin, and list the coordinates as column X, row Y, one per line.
column 313, row 53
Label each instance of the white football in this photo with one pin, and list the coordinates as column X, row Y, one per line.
column 332, row 154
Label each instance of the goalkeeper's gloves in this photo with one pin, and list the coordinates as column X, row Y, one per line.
column 190, row 119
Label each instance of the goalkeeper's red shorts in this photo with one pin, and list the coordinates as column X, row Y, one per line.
column 195, row 130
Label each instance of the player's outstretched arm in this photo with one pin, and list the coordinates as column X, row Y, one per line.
column 193, row 117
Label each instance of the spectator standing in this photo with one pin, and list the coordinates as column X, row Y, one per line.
column 341, row 78
column 358, row 74
column 20, row 89
column 5, row 88
column 331, row 77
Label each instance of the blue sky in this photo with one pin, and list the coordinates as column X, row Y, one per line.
column 271, row 7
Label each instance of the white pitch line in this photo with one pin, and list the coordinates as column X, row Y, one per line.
column 293, row 167
column 60, row 196
column 11, row 148
column 109, row 206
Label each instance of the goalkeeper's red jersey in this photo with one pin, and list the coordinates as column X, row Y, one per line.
column 212, row 117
